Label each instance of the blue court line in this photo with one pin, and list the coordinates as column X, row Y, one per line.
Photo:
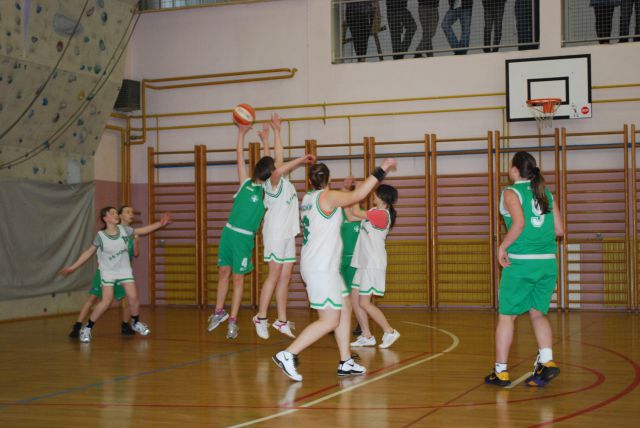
column 128, row 377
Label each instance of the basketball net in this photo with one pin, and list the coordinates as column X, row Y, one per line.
column 543, row 110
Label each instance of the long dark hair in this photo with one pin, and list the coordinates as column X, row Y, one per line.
column 319, row 176
column 526, row 165
column 388, row 195
column 103, row 212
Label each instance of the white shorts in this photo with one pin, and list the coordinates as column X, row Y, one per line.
column 370, row 281
column 280, row 250
column 324, row 288
column 110, row 278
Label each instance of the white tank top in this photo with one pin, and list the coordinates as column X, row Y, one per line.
column 113, row 251
column 370, row 251
column 282, row 219
column 322, row 245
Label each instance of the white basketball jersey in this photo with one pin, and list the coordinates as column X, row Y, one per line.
column 322, row 245
column 113, row 252
column 282, row 219
column 370, row 251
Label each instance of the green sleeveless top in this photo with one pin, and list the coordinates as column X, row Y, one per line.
column 349, row 231
column 248, row 207
column 538, row 236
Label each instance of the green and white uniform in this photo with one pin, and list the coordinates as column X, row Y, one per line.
column 118, row 290
column 320, row 255
column 349, row 232
column 530, row 280
column 113, row 255
column 237, row 240
column 370, row 257
column 281, row 222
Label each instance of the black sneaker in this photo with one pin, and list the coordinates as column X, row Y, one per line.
column 357, row 331
column 543, row 374
column 499, row 379
column 75, row 332
column 126, row 329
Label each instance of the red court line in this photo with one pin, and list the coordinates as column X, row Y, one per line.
column 600, row 378
column 627, row 390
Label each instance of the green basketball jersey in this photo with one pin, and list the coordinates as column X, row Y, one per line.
column 349, row 232
column 248, row 207
column 131, row 248
column 538, row 236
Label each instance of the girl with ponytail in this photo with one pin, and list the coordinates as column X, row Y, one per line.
column 370, row 261
column 530, row 271
column 320, row 267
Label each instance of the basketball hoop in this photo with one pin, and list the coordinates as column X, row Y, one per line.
column 543, row 110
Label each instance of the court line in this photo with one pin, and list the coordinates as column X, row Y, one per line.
column 633, row 385
column 128, row 377
column 456, row 342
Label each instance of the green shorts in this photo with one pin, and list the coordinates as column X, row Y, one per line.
column 236, row 250
column 527, row 284
column 347, row 272
column 96, row 288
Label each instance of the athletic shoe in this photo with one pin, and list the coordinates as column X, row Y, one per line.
column 232, row 330
column 141, row 328
column 543, row 374
column 126, row 329
column 284, row 328
column 262, row 327
column 288, row 363
column 85, row 334
column 216, row 319
column 364, row 341
column 499, row 379
column 389, row 339
column 75, row 331
column 357, row 331
column 350, row 367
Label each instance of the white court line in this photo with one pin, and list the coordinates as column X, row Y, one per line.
column 518, row 381
column 456, row 342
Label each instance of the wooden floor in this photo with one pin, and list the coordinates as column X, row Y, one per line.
column 183, row 376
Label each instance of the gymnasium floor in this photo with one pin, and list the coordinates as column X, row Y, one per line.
column 183, row 376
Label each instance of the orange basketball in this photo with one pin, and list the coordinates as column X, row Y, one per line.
column 244, row 114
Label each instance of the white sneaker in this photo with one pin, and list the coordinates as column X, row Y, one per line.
column 262, row 327
column 364, row 341
column 388, row 339
column 85, row 334
column 350, row 367
column 141, row 328
column 232, row 330
column 288, row 363
column 216, row 320
column 284, row 328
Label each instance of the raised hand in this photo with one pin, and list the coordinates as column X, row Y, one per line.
column 165, row 219
column 264, row 133
column 276, row 122
column 389, row 164
column 309, row 159
column 243, row 129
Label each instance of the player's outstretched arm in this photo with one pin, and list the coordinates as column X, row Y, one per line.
column 86, row 255
column 150, row 228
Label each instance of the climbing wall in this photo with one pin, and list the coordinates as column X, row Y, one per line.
column 61, row 66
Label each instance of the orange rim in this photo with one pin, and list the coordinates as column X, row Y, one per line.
column 548, row 105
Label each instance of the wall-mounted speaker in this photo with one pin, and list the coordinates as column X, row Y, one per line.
column 129, row 97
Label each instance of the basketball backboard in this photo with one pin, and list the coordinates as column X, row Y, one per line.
column 564, row 77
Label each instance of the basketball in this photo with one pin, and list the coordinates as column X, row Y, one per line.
column 244, row 114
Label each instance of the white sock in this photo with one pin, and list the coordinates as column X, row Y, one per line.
column 546, row 355
column 500, row 367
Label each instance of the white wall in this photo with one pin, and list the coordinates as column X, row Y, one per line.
column 296, row 33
